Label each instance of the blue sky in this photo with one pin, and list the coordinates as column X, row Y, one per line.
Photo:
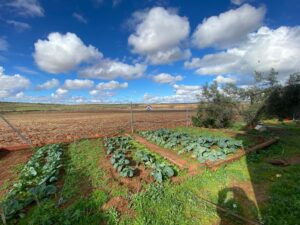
column 111, row 51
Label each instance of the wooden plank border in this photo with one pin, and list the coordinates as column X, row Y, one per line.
column 215, row 165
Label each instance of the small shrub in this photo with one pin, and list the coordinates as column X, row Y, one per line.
column 215, row 115
column 218, row 109
column 196, row 121
column 249, row 113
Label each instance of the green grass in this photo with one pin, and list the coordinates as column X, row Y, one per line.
column 158, row 157
column 236, row 187
column 7, row 183
column 183, row 204
column 23, row 107
column 238, row 125
column 82, row 166
column 84, row 191
column 201, row 131
column 180, row 204
column 284, row 203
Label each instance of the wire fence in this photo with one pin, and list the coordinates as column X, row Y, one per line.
column 40, row 128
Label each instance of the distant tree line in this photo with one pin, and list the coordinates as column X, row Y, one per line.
column 266, row 98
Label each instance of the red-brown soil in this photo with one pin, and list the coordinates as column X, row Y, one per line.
column 55, row 127
column 172, row 157
column 119, row 203
column 8, row 160
column 134, row 184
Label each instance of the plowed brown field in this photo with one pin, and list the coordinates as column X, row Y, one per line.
column 54, row 127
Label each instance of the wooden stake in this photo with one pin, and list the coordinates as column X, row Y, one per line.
column 131, row 121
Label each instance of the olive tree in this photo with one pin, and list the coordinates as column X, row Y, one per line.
column 217, row 108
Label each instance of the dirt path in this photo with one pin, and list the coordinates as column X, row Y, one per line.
column 172, row 157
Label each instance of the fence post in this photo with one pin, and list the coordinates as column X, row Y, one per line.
column 131, row 120
column 17, row 131
column 186, row 117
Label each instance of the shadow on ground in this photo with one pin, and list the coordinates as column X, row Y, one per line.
column 274, row 174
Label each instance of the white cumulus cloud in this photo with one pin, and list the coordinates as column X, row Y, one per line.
column 20, row 95
column 111, row 85
column 267, row 48
column 53, row 83
column 106, row 88
column 225, row 80
column 158, row 34
column 182, row 94
column 165, row 78
column 59, row 93
column 78, row 84
column 111, row 69
column 229, row 28
column 12, row 85
column 63, row 52
column 168, row 56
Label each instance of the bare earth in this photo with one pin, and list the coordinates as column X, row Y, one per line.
column 8, row 160
column 55, row 127
column 171, row 156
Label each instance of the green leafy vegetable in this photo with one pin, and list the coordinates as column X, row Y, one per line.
column 203, row 148
column 119, row 146
column 35, row 181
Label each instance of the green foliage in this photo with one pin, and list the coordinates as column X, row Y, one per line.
column 85, row 190
column 269, row 100
column 119, row 146
column 127, row 172
column 249, row 113
column 205, row 148
column 284, row 102
column 35, row 181
column 117, row 143
column 218, row 110
column 83, row 211
column 160, row 170
column 215, row 115
column 196, row 121
column 144, row 157
column 283, row 206
column 181, row 203
column 46, row 213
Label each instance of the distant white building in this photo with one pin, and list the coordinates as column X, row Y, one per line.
column 148, row 108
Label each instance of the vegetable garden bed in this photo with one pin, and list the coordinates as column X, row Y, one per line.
column 211, row 151
column 204, row 149
column 125, row 153
column 36, row 181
